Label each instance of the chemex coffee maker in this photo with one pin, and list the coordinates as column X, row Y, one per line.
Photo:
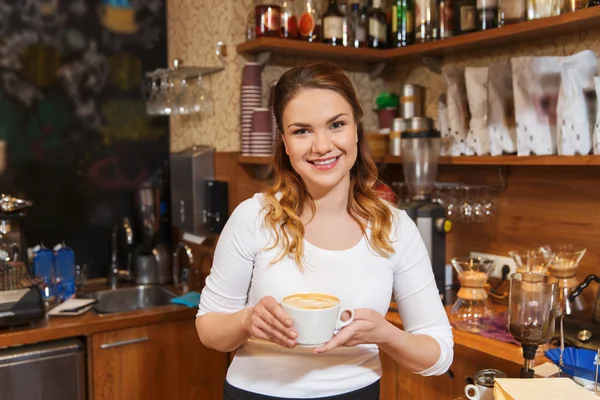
column 420, row 153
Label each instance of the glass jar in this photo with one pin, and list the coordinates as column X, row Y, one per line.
column 267, row 14
column 309, row 21
column 289, row 20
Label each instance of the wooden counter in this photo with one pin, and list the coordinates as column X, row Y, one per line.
column 52, row 328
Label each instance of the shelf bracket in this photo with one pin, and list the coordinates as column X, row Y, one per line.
column 263, row 58
column 376, row 69
column 433, row 63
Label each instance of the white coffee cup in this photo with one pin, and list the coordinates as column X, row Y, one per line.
column 483, row 389
column 477, row 392
column 316, row 317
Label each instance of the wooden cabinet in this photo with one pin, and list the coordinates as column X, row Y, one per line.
column 398, row 383
column 155, row 362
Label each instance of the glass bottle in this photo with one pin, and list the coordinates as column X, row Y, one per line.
column 403, row 23
column 487, row 11
column 347, row 29
column 425, row 21
column 445, row 19
column 465, row 16
column 358, row 17
column 511, row 12
column 268, row 18
column 289, row 21
column 377, row 26
column 333, row 24
column 309, row 21
column 540, row 9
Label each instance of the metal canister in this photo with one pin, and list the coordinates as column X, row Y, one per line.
column 412, row 99
column 420, row 124
column 395, row 146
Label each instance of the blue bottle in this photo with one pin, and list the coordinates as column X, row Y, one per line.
column 64, row 261
column 43, row 267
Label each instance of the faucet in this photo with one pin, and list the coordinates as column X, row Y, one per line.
column 115, row 273
column 177, row 278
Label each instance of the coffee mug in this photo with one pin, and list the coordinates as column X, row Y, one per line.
column 483, row 389
column 476, row 392
column 316, row 317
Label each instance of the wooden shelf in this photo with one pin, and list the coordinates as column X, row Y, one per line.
column 544, row 28
column 302, row 49
column 475, row 160
column 511, row 160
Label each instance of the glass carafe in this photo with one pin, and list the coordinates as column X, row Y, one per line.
column 564, row 267
column 472, row 310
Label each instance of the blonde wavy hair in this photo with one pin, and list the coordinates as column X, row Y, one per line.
column 288, row 196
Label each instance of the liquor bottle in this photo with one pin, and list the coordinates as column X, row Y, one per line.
column 347, row 30
column 289, row 22
column 333, row 24
column 309, row 22
column 403, row 23
column 426, row 21
column 465, row 16
column 377, row 26
column 514, row 11
column 487, row 10
column 358, row 18
column 445, row 19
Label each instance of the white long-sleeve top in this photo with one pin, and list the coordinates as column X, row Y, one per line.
column 359, row 277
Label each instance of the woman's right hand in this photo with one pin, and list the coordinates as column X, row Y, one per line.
column 267, row 320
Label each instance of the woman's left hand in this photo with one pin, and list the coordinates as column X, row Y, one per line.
column 368, row 327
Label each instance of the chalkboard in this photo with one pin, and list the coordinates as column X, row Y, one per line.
column 72, row 115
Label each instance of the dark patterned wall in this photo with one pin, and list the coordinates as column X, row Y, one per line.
column 72, row 115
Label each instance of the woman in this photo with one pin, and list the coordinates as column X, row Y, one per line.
column 321, row 227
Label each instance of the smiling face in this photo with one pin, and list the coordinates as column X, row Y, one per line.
column 320, row 137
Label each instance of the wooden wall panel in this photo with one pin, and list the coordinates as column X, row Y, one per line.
column 541, row 205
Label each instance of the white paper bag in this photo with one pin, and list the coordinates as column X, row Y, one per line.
column 458, row 108
column 501, row 110
column 536, row 82
column 444, row 126
column 478, row 137
column 596, row 136
column 575, row 109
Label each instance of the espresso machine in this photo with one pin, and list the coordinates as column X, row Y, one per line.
column 420, row 153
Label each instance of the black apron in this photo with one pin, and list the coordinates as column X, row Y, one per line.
column 370, row 392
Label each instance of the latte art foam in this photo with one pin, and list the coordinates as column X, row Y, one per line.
column 311, row 301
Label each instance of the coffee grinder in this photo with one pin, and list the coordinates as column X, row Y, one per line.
column 420, row 153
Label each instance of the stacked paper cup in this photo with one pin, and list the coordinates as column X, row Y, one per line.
column 273, row 122
column 251, row 99
column 261, row 143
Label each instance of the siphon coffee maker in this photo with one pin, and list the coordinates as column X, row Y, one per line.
column 420, row 154
column 472, row 308
column 532, row 308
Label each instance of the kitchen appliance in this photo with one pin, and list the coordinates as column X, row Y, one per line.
column 199, row 203
column 582, row 327
column 50, row 371
column 563, row 266
column 532, row 313
column 472, row 306
column 21, row 300
column 151, row 258
column 13, row 212
column 420, row 153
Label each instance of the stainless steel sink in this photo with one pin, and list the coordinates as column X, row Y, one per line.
column 126, row 299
